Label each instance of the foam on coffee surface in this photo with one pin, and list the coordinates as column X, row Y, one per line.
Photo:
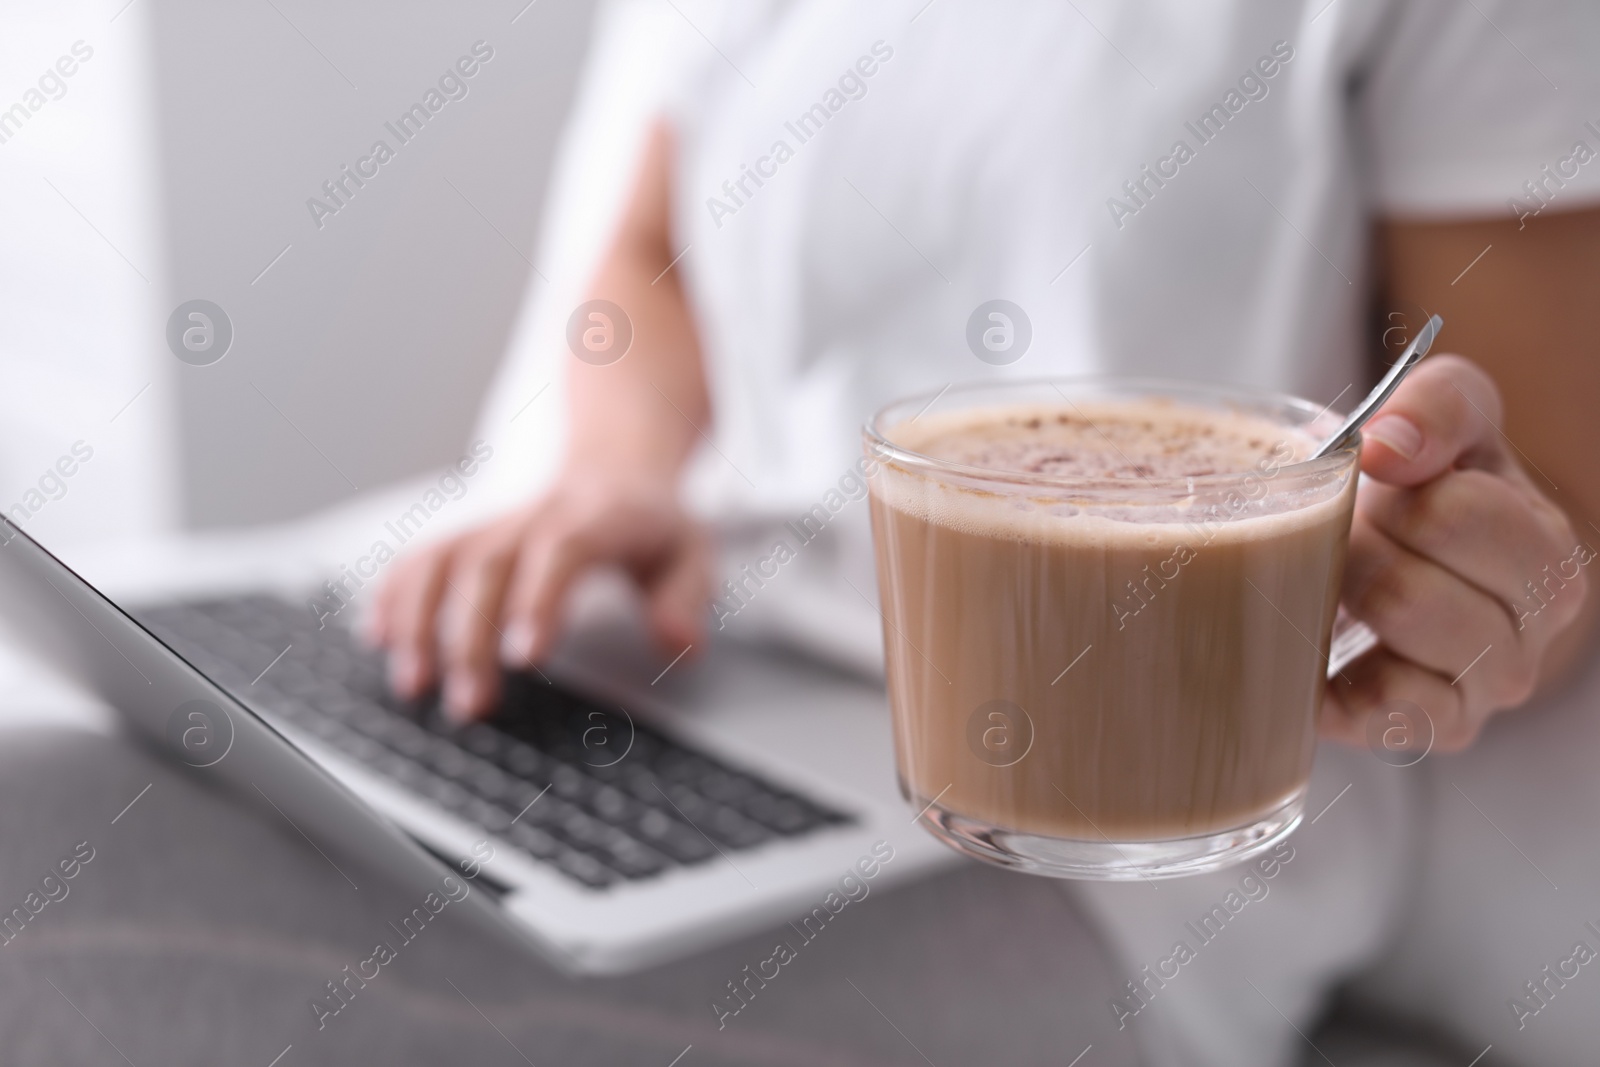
column 1107, row 445
column 1133, row 440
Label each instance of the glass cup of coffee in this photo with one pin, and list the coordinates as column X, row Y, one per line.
column 1108, row 607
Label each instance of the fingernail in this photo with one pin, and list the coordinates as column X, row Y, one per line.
column 1399, row 433
column 516, row 646
column 405, row 672
column 462, row 695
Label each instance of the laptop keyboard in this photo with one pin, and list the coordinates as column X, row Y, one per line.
column 577, row 784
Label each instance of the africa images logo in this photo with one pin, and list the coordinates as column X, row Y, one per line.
column 999, row 332
column 200, row 732
column 199, row 332
column 599, row 332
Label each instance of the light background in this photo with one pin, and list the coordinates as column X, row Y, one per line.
column 377, row 334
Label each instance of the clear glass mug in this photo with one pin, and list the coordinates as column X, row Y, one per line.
column 1113, row 678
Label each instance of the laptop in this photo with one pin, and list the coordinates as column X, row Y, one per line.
column 614, row 816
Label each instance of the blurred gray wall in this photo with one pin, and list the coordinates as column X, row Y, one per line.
column 360, row 355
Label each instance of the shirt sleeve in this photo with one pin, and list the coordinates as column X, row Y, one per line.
column 1472, row 107
column 642, row 56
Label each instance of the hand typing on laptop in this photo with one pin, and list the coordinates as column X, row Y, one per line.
column 454, row 612
column 499, row 588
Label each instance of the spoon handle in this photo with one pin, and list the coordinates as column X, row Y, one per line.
column 1391, row 381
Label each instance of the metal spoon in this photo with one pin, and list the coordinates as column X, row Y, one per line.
column 1367, row 408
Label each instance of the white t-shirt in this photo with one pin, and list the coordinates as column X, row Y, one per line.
column 1169, row 189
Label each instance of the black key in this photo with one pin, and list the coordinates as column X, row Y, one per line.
column 247, row 614
column 522, row 797
column 239, row 649
column 585, row 831
column 547, row 811
column 682, row 801
column 680, row 766
column 645, row 786
column 331, row 698
column 369, row 679
column 398, row 768
column 726, row 788
column 445, row 792
column 633, row 860
column 585, row 869
column 407, row 772
column 479, row 776
column 370, row 719
column 487, row 815
column 672, row 837
column 524, row 762
column 323, row 728
column 571, row 784
column 292, row 677
column 334, row 663
column 780, row 813
column 536, row 842
column 483, row 740
column 613, row 805
column 447, row 759
column 401, row 736
column 488, row 781
column 731, row 828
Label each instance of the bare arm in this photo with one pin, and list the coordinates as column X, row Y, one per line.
column 454, row 611
column 1527, row 314
column 642, row 411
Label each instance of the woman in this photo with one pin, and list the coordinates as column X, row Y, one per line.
column 794, row 211
column 819, row 198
